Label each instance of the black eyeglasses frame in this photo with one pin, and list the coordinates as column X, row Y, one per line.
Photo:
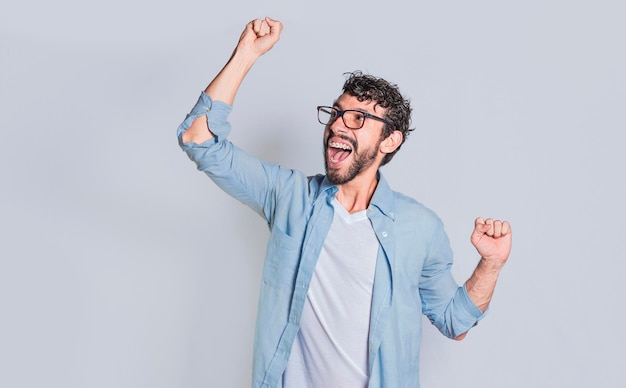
column 340, row 113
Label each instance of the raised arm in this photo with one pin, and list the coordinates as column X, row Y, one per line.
column 258, row 37
column 492, row 239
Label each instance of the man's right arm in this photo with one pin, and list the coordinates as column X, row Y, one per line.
column 258, row 37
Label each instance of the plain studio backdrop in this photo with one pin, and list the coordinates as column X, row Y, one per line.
column 123, row 266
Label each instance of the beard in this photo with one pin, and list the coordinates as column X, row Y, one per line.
column 360, row 162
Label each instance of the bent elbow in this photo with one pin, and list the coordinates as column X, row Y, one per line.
column 460, row 337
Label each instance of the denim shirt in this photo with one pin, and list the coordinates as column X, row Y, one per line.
column 412, row 274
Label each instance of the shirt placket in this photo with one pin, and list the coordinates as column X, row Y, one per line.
column 317, row 229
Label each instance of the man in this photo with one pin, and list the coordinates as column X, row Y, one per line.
column 351, row 265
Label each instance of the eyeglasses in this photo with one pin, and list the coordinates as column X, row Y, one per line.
column 352, row 119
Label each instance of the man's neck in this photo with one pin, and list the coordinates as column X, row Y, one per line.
column 356, row 195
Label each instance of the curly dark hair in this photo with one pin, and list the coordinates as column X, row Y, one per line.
column 368, row 88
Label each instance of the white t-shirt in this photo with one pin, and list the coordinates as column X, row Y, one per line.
column 331, row 349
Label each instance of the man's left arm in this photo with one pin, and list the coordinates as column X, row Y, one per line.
column 492, row 239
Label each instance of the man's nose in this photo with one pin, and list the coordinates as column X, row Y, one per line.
column 338, row 126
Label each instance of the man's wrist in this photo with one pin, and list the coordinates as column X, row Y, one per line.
column 490, row 265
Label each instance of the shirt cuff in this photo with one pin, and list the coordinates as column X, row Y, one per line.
column 471, row 311
column 217, row 117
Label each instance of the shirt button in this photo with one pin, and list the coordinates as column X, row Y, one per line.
column 384, row 234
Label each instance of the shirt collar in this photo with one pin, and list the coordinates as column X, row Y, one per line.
column 382, row 200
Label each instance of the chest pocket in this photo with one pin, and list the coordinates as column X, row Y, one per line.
column 282, row 259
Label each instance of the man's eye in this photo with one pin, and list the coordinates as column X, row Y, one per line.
column 357, row 117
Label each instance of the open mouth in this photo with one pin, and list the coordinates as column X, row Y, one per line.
column 338, row 152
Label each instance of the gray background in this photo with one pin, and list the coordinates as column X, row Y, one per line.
column 122, row 266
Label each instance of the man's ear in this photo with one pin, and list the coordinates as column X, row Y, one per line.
column 391, row 142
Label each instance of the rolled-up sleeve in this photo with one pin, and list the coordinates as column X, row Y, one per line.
column 243, row 176
column 217, row 116
column 446, row 304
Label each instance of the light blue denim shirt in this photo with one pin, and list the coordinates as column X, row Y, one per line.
column 412, row 270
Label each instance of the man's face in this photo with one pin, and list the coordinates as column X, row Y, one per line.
column 350, row 152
